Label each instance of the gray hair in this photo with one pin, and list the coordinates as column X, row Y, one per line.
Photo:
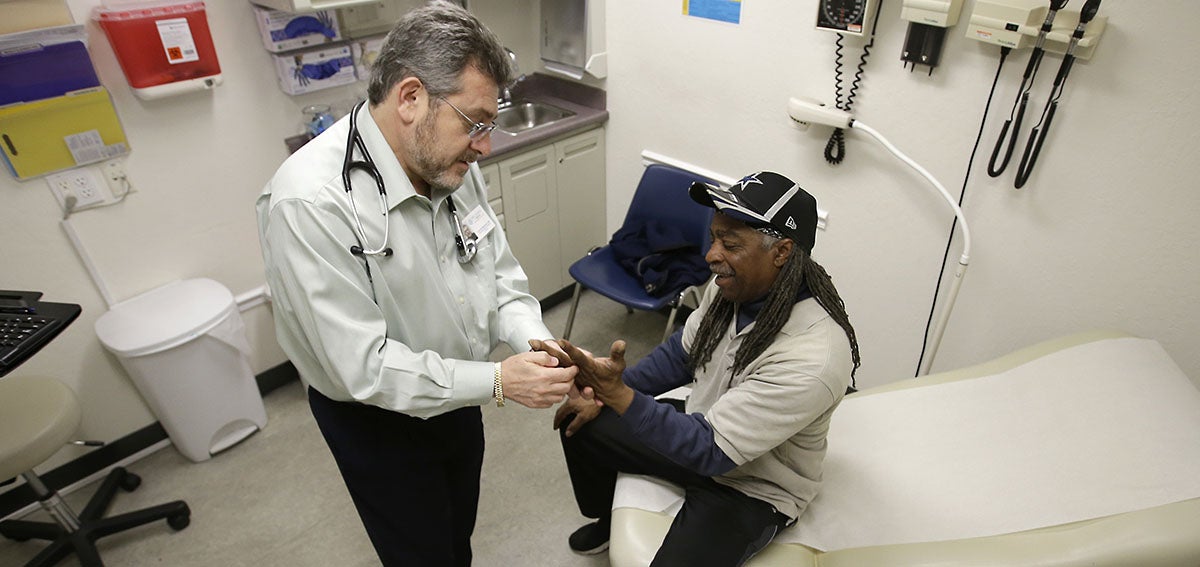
column 769, row 237
column 435, row 43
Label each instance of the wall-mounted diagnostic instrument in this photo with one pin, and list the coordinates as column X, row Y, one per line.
column 846, row 18
column 1016, row 24
column 1018, row 110
column 1047, row 26
column 843, row 16
column 1034, row 146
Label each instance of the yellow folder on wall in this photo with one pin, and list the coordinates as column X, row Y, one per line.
column 59, row 133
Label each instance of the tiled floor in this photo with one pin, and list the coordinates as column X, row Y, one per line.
column 276, row 499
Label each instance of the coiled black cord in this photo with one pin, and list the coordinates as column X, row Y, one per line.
column 835, row 148
column 1004, row 51
column 837, row 69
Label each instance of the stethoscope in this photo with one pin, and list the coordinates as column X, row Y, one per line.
column 467, row 247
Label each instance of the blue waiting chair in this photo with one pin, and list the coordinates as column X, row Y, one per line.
column 661, row 196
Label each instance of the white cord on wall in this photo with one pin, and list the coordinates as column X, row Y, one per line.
column 87, row 262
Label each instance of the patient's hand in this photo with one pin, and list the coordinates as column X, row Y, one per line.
column 602, row 375
column 582, row 405
column 551, row 347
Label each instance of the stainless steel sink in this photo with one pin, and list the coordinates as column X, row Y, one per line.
column 521, row 116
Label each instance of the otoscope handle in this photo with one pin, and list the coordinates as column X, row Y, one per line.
column 1068, row 61
column 1035, row 59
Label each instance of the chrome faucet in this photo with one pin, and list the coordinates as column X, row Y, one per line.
column 506, row 91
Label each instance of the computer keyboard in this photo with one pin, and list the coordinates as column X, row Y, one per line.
column 27, row 325
column 22, row 334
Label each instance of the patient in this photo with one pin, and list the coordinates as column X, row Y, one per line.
column 769, row 354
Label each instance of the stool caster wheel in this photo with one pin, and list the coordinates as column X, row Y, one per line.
column 130, row 482
column 179, row 521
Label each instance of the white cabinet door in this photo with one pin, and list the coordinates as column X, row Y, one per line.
column 581, row 192
column 529, row 188
column 491, row 178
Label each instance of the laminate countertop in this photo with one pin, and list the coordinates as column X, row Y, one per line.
column 587, row 102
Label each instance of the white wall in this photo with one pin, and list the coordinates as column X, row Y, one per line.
column 1102, row 236
column 198, row 162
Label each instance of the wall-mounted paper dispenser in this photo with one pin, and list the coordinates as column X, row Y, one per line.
column 573, row 38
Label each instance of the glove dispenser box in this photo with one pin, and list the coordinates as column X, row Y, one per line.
column 286, row 31
column 164, row 48
column 302, row 72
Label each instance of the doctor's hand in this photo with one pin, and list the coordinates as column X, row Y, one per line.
column 602, row 375
column 534, row 380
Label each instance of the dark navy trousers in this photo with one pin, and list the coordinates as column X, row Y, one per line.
column 415, row 482
column 717, row 526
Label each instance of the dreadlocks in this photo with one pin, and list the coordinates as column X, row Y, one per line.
column 799, row 270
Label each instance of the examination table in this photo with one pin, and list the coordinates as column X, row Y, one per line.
column 1084, row 450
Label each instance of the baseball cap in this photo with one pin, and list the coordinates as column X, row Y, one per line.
column 765, row 199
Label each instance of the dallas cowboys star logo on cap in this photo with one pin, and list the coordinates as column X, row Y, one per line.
column 747, row 180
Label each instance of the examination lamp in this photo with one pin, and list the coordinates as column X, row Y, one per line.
column 806, row 112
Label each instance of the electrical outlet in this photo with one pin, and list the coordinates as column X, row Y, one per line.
column 113, row 172
column 79, row 183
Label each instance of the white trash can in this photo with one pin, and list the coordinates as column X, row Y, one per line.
column 184, row 346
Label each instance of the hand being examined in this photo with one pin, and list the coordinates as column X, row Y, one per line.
column 602, row 375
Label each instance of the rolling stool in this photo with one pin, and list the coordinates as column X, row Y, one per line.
column 38, row 415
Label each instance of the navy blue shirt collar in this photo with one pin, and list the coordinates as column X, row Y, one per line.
column 748, row 312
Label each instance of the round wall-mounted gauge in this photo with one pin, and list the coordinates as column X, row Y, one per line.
column 842, row 16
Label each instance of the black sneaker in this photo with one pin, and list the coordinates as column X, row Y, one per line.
column 591, row 539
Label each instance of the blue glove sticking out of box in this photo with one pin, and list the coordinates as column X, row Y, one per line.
column 308, row 25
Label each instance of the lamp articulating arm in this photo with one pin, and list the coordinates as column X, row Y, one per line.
column 805, row 113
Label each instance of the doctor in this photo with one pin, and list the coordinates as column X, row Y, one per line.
column 392, row 282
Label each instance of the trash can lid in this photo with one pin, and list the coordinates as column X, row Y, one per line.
column 164, row 317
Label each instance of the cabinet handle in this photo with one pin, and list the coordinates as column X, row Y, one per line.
column 570, row 151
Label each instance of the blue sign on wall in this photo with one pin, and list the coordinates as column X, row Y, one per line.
column 720, row 10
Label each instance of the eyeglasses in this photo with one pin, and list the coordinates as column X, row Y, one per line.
column 478, row 129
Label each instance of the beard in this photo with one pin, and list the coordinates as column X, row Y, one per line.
column 438, row 173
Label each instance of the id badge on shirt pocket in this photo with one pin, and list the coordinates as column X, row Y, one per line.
column 477, row 223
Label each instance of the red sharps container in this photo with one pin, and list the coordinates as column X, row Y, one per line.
column 164, row 48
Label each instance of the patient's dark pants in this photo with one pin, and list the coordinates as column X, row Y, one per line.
column 717, row 525
column 414, row 481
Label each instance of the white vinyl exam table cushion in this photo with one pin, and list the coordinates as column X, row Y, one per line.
column 1090, row 445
